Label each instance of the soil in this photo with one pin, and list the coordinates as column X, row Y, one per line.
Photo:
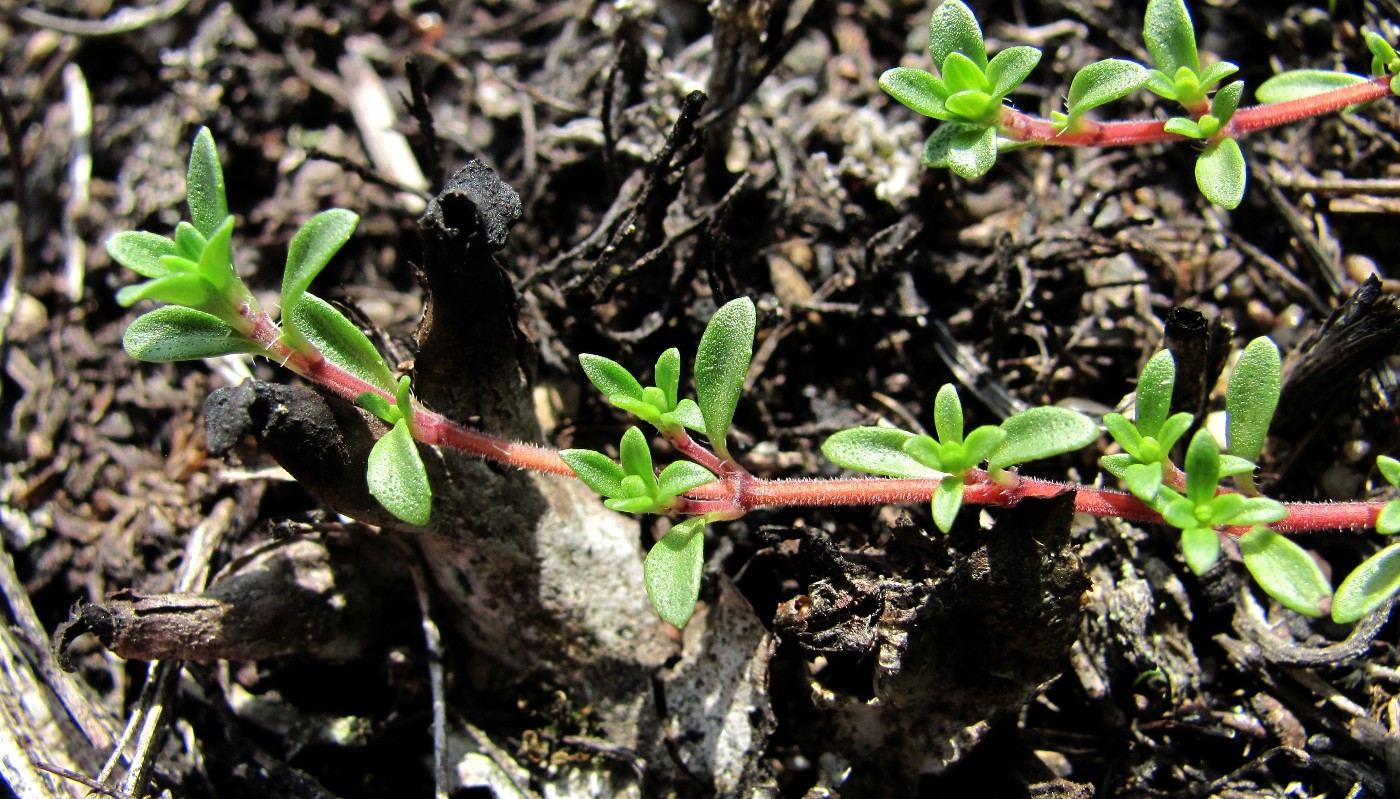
column 843, row 652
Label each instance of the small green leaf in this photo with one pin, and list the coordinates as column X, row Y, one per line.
column 1103, row 82
column 1143, row 480
column 971, row 151
column 189, row 290
column 1255, row 510
column 960, row 74
column 1299, row 83
column 611, row 377
column 596, row 470
column 340, row 342
column 1388, row 520
column 1118, row 464
column 917, row 89
column 1381, row 50
column 953, row 28
column 1202, row 468
column 668, row 377
column 1221, row 173
column 721, row 364
column 981, row 443
column 1160, row 84
column 1217, row 72
column 1154, row 392
column 948, row 415
column 1201, row 546
column 973, row 105
column 216, row 261
column 930, row 453
column 947, row 499
column 173, row 333
column 189, row 242
column 140, row 252
column 380, row 407
column 1252, row 396
column 636, row 456
column 1125, row 433
column 1182, row 126
column 875, row 450
column 1390, row 469
column 204, row 185
column 1367, row 588
column 632, row 504
column 1172, row 430
column 681, row 476
column 1232, row 465
column 639, row 408
column 1170, row 37
column 1042, row 433
column 672, row 571
column 397, row 478
column 1285, row 571
column 1226, row 101
column 688, row 414
column 1010, row 68
column 311, row 249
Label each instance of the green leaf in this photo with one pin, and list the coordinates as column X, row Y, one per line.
column 189, row 242
column 397, row 478
column 981, row 443
column 173, row 333
column 140, row 252
column 1252, row 396
column 216, row 261
column 1042, row 433
column 953, row 28
column 688, row 414
column 1255, row 510
column 380, row 407
column 1217, row 72
column 875, row 450
column 917, row 89
column 1172, row 430
column 1010, row 68
column 340, row 342
column 1388, row 520
column 1202, row 468
column 971, row 150
column 1118, row 464
column 973, row 105
column 1182, row 126
column 948, row 415
column 596, row 470
column 721, row 364
column 636, row 456
column 1125, row 433
column 947, row 499
column 681, row 476
column 639, row 408
column 611, row 377
column 1221, row 173
column 930, row 453
column 1390, row 469
column 1201, row 546
column 204, row 185
column 1299, row 83
column 1154, row 392
column 672, row 571
column 1170, row 37
column 1367, row 588
column 668, row 377
column 1380, row 49
column 1226, row 101
column 960, row 74
column 1102, row 82
column 632, row 504
column 311, row 249
column 1285, row 571
column 1231, row 465
column 1143, row 480
column 1161, row 84
column 192, row 291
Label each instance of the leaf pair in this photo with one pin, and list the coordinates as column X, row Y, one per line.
column 1170, row 37
column 1031, row 435
column 633, row 485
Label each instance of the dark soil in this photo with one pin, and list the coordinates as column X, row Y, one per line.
column 1094, row 664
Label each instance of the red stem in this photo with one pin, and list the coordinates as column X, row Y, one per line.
column 1022, row 127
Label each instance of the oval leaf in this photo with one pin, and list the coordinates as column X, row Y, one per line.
column 687, row 413
column 1170, row 37
column 596, row 470
column 1009, row 69
column 340, row 342
column 610, row 377
column 672, row 571
column 953, row 28
column 681, row 476
column 1221, row 173
column 876, row 450
column 668, row 377
column 204, row 185
column 140, row 252
column 1103, row 82
column 636, row 455
column 173, row 333
column 185, row 289
column 1041, row 433
column 1285, row 571
column 1299, row 83
column 1154, row 393
column 947, row 499
column 721, row 364
column 1367, row 588
column 1201, row 546
column 917, row 89
column 397, row 478
column 312, row 248
column 1252, row 397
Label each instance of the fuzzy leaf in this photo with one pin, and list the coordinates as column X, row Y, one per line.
column 340, row 342
column 1221, row 173
column 1202, row 468
column 1170, row 37
column 380, row 407
column 140, row 252
column 948, row 415
column 1285, row 571
column 688, row 414
column 1173, row 429
column 875, row 450
column 1182, row 126
column 672, row 571
column 1252, row 396
column 1143, row 480
column 189, row 242
column 681, row 476
column 611, row 377
column 968, row 150
column 312, row 248
column 947, row 499
column 1226, row 101
column 596, row 470
column 636, row 455
column 1160, row 84
column 917, row 89
column 173, row 333
column 1299, row 83
column 961, row 74
column 1154, row 392
column 668, row 377
column 1367, row 588
column 721, row 364
column 1256, row 510
column 981, row 443
column 1042, row 433
column 216, row 261
column 204, row 185
column 1217, row 72
column 397, row 478
column 1010, row 68
column 953, row 28
column 190, row 290
column 1118, row 464
column 1125, row 433
column 1232, row 465
column 1201, row 546
column 1103, row 82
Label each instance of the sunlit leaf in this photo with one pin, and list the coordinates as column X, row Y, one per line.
column 173, row 333
column 204, row 185
column 688, row 414
column 968, row 150
column 1221, row 173
column 1225, row 101
column 1252, row 396
column 1042, row 433
column 380, row 407
column 190, row 290
column 953, row 28
column 1374, row 581
column 1102, row 82
column 668, row 377
column 875, row 450
column 681, row 476
column 1009, row 69
column 611, row 377
column 340, row 342
column 947, row 499
column 140, row 252
column 1202, row 468
column 673, row 569
column 1285, row 571
column 919, row 90
column 1299, row 83
column 721, row 364
column 1170, row 37
column 1201, row 546
column 636, row 455
column 397, row 478
column 312, row 248
column 596, row 470
column 1154, row 392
